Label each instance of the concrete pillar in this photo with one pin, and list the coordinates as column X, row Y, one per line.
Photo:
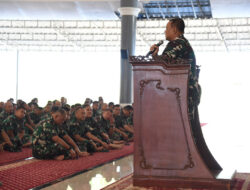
column 129, row 12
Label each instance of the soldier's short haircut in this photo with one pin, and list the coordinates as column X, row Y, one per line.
column 61, row 111
column 20, row 107
column 95, row 102
column 105, row 110
column 21, row 103
column 178, row 23
column 55, row 109
column 78, row 105
column 78, row 108
column 66, row 107
column 128, row 107
column 85, row 105
column 49, row 102
column 111, row 103
column 117, row 105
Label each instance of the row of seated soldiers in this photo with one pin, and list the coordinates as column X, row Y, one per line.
column 63, row 132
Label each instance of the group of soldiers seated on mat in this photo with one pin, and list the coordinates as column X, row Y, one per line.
column 59, row 131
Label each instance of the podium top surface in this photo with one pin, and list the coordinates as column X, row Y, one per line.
column 158, row 61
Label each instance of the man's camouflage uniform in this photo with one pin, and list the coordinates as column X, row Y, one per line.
column 27, row 120
column 80, row 128
column 3, row 116
column 95, row 113
column 1, row 138
column 94, row 128
column 43, row 147
column 108, row 129
column 120, row 122
column 45, row 116
column 180, row 51
column 12, row 123
column 35, row 118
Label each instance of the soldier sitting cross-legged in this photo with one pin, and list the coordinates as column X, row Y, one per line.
column 51, row 141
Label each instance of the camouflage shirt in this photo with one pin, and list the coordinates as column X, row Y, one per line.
column 104, row 125
column 35, row 118
column 125, row 120
column 3, row 116
column 44, row 132
column 176, row 52
column 13, row 123
column 180, row 49
column 93, row 126
column 118, row 121
column 77, row 127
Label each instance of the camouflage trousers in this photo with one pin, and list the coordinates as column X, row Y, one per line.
column 130, row 135
column 50, row 151
column 194, row 96
column 17, row 144
column 86, row 146
column 116, row 136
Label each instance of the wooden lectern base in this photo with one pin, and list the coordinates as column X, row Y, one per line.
column 170, row 150
column 214, row 184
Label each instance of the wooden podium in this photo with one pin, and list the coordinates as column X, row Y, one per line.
column 168, row 151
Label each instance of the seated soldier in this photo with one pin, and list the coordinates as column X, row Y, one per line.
column 57, row 103
column 14, row 128
column 100, row 101
column 98, row 143
column 107, row 123
column 131, row 114
column 50, row 141
column 66, row 123
column 8, row 110
column 46, row 112
column 1, row 106
column 111, row 106
column 103, row 107
column 3, row 136
column 88, row 101
column 28, row 123
column 82, row 135
column 119, row 123
column 63, row 101
column 35, row 115
column 95, row 128
column 91, row 122
column 126, row 119
column 95, row 109
column 33, row 104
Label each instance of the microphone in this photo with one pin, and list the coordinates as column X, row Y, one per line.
column 158, row 44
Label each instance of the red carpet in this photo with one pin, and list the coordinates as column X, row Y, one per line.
column 9, row 157
column 41, row 172
column 240, row 182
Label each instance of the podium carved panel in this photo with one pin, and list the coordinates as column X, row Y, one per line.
column 165, row 149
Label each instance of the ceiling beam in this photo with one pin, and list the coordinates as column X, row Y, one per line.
column 177, row 9
column 195, row 16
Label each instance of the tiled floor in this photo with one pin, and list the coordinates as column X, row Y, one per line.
column 97, row 178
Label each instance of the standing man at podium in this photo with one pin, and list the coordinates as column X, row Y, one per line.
column 179, row 51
